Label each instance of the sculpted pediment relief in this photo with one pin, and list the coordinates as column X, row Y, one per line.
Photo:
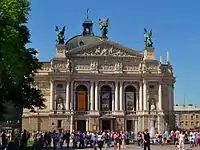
column 105, row 49
column 99, row 51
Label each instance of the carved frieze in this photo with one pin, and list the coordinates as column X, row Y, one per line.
column 131, row 68
column 45, row 67
column 82, row 67
column 61, row 67
column 151, row 67
column 107, row 67
column 110, row 51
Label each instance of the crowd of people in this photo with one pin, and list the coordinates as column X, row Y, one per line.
column 37, row 140
column 178, row 137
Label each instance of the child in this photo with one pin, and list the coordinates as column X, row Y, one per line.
column 191, row 140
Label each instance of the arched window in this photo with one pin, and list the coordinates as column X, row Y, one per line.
column 130, row 98
column 81, row 98
column 106, row 98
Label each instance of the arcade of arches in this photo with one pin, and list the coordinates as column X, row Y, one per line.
column 113, row 105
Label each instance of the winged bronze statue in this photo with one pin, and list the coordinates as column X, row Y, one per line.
column 104, row 23
column 60, row 39
column 148, row 40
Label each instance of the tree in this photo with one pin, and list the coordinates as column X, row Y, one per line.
column 18, row 64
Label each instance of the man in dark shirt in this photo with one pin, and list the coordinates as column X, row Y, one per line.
column 67, row 138
column 146, row 139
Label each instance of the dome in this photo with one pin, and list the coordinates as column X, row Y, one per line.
column 80, row 40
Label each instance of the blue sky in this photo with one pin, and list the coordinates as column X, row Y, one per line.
column 175, row 24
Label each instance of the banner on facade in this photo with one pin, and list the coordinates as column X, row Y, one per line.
column 105, row 101
column 129, row 100
column 81, row 101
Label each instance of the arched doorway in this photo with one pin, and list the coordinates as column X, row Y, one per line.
column 106, row 98
column 81, row 98
column 130, row 98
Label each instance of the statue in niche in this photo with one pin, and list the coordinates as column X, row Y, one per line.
column 148, row 40
column 104, row 23
column 93, row 65
column 60, row 104
column 60, row 39
column 118, row 66
column 152, row 104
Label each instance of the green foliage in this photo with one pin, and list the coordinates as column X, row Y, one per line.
column 18, row 64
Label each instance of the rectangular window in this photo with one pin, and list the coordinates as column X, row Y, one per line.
column 59, row 124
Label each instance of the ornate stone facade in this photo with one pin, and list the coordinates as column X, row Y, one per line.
column 103, row 85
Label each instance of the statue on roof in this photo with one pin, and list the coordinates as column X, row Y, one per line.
column 148, row 40
column 104, row 23
column 60, row 39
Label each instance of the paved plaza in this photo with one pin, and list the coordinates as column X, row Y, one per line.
column 153, row 147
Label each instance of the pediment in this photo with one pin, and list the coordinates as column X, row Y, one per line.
column 105, row 48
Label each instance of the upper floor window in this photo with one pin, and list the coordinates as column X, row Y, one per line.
column 59, row 86
column 186, row 123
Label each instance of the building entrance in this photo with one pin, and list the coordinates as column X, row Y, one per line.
column 106, row 125
column 81, row 125
column 130, row 125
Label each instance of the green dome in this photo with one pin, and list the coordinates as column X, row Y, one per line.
column 80, row 40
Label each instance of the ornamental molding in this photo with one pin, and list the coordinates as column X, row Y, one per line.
column 134, row 84
column 109, row 83
column 85, row 83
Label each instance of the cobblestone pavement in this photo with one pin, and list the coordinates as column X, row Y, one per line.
column 153, row 147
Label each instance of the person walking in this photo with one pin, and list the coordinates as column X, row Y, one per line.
column 181, row 141
column 146, row 139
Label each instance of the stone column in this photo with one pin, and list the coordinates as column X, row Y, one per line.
column 71, row 123
column 136, row 128
column 137, row 102
column 144, row 95
column 92, row 96
column 67, row 96
column 116, row 96
column 121, row 96
column 87, row 125
column 111, row 125
column 140, row 96
column 51, row 95
column 159, row 124
column 96, row 96
column 160, row 96
column 170, row 97
column 113, row 101
column 72, row 96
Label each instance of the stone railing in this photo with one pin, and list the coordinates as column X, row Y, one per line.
column 106, row 112
column 81, row 112
column 131, row 112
